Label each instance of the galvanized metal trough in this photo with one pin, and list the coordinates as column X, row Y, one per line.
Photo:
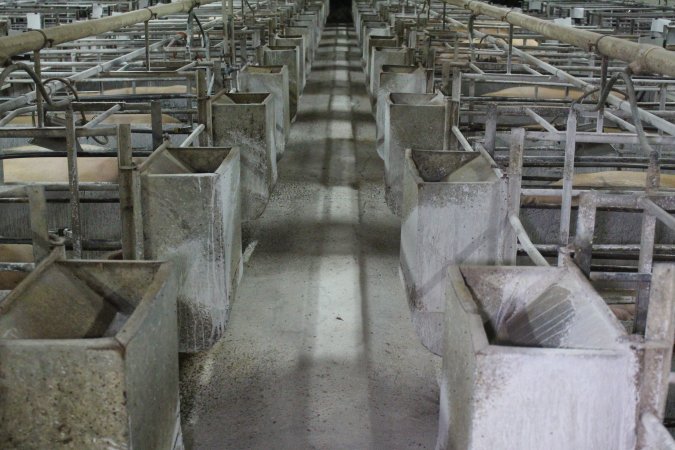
column 535, row 359
column 192, row 217
column 289, row 56
column 272, row 79
column 411, row 120
column 454, row 212
column 89, row 357
column 247, row 121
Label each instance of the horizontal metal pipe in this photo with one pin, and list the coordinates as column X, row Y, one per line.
column 613, row 100
column 37, row 40
column 649, row 58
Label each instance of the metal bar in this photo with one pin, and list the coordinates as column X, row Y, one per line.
column 130, row 197
column 37, row 66
column 203, row 107
column 509, row 56
column 541, row 121
column 38, row 222
column 73, row 182
column 491, row 128
column 197, row 133
column 645, row 264
column 36, row 40
column 599, row 125
column 568, row 174
column 455, row 104
column 649, row 57
column 156, row 119
column 515, row 176
column 658, row 212
column 56, row 85
column 147, row 44
column 101, row 117
column 583, row 241
column 462, row 140
column 526, row 243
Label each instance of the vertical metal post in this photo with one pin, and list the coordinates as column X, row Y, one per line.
column 509, row 55
column 600, row 124
column 38, row 222
column 156, row 120
column 243, row 49
column 447, row 122
column 73, row 182
column 218, row 81
column 515, row 179
column 146, row 28
column 454, row 106
column 583, row 241
column 444, row 12
column 38, row 95
column 568, row 174
column 491, row 128
column 202, row 107
column 656, row 354
column 226, row 21
column 233, row 44
column 645, row 262
column 190, row 34
column 130, row 197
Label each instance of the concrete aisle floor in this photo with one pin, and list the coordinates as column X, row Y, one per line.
column 319, row 352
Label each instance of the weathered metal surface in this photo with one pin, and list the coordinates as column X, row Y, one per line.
column 380, row 56
column 288, row 56
column 247, row 122
column 191, row 217
column 412, row 120
column 454, row 212
column 272, row 79
column 398, row 79
column 37, row 40
column 528, row 354
column 649, row 58
column 299, row 42
column 376, row 42
column 293, row 31
column 89, row 357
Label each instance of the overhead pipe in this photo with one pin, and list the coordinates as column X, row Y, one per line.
column 38, row 39
column 612, row 99
column 642, row 57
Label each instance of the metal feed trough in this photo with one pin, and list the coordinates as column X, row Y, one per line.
column 381, row 56
column 411, row 120
column 190, row 203
column 299, row 43
column 287, row 56
column 453, row 212
column 89, row 355
column 272, row 79
column 246, row 120
column 400, row 80
column 205, row 242
column 377, row 42
column 294, row 31
column 528, row 355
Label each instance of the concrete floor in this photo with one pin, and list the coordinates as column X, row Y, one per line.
column 320, row 352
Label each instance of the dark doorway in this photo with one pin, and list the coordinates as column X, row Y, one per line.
column 340, row 11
